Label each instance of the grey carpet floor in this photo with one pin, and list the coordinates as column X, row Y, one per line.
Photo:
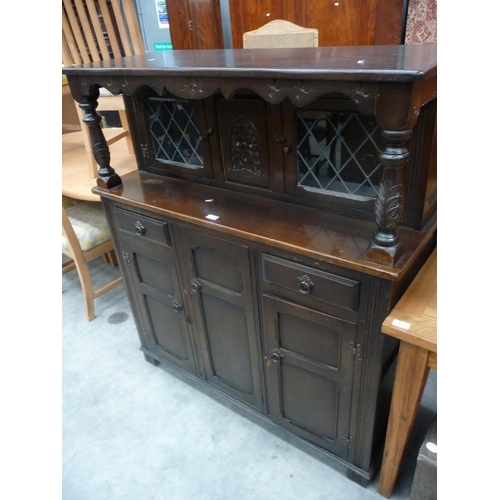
column 138, row 432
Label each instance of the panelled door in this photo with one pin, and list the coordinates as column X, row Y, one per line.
column 309, row 368
column 377, row 22
column 195, row 24
column 218, row 275
column 149, row 268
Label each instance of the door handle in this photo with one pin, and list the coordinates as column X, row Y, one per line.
column 196, row 285
column 276, row 356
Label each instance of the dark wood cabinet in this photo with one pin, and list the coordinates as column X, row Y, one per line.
column 266, row 235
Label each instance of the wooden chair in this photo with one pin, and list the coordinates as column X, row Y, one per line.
column 280, row 34
column 85, row 237
column 95, row 31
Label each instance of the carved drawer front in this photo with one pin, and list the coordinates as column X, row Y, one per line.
column 134, row 227
column 303, row 283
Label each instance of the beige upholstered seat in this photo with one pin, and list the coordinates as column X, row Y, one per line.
column 85, row 237
column 280, row 34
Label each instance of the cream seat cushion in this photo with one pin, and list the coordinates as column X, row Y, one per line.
column 89, row 224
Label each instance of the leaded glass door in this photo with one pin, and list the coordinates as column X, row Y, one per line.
column 178, row 136
column 335, row 154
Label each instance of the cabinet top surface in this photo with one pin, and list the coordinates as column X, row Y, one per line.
column 403, row 63
column 318, row 235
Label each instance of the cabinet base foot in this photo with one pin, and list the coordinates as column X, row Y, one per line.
column 151, row 360
column 357, row 478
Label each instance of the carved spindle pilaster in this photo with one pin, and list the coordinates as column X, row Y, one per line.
column 107, row 177
column 384, row 247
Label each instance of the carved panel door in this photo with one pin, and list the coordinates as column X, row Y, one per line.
column 309, row 370
column 250, row 132
column 218, row 275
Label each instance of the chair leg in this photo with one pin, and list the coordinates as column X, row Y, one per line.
column 68, row 265
column 88, row 293
column 125, row 126
column 112, row 258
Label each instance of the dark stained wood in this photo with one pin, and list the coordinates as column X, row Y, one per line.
column 264, row 295
column 422, row 147
column 195, row 24
column 107, row 177
column 404, row 63
column 309, row 285
column 389, row 82
column 334, row 239
column 219, row 286
column 309, row 382
column 244, row 128
column 148, row 264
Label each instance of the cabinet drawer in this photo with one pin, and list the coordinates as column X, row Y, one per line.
column 142, row 227
column 307, row 282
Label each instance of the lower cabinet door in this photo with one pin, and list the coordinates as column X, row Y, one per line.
column 309, row 372
column 151, row 277
column 218, row 275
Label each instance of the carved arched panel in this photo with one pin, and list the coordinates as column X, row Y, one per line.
column 244, row 129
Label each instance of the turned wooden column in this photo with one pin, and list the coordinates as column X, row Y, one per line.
column 384, row 246
column 107, row 177
column 396, row 113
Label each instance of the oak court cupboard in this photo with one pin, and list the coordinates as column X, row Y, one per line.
column 283, row 202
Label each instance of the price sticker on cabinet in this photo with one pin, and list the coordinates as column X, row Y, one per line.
column 212, row 217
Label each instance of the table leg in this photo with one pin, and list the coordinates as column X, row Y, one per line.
column 409, row 383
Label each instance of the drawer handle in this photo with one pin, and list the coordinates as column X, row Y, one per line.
column 139, row 229
column 176, row 306
column 276, row 356
column 196, row 285
column 305, row 284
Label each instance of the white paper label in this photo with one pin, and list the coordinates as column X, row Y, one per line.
column 212, row 217
column 401, row 324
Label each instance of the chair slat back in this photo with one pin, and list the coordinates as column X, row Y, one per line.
column 280, row 34
column 97, row 30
